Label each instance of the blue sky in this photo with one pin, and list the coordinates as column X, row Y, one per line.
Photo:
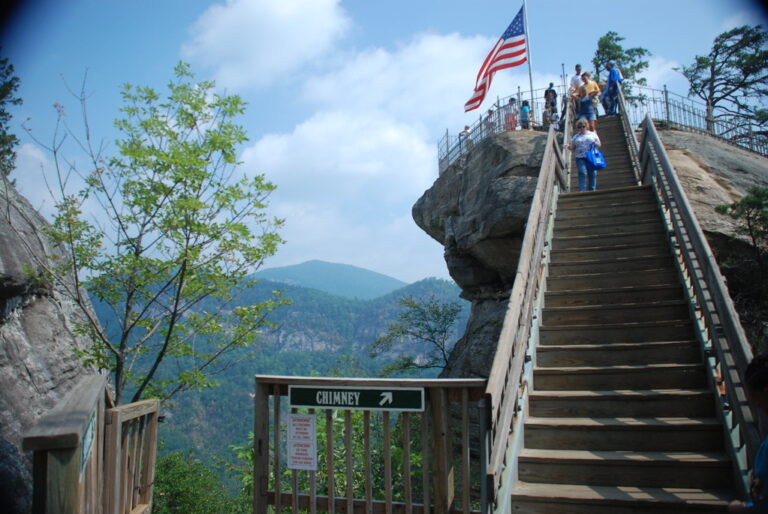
column 347, row 99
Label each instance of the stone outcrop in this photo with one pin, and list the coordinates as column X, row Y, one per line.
column 713, row 173
column 38, row 365
column 478, row 207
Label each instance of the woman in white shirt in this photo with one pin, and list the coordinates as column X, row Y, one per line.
column 579, row 145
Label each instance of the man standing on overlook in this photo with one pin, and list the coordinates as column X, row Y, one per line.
column 550, row 98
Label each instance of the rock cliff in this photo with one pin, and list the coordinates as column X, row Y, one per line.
column 37, row 340
column 478, row 207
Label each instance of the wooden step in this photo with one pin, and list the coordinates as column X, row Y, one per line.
column 532, row 498
column 610, row 227
column 708, row 470
column 627, row 249
column 622, row 403
column 655, row 293
column 617, row 354
column 618, row 196
column 638, row 263
column 626, row 313
column 652, row 237
column 657, row 434
column 610, row 378
column 612, row 213
column 610, row 280
column 617, row 333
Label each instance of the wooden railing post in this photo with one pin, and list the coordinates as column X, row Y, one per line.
column 67, row 446
column 261, row 449
column 443, row 471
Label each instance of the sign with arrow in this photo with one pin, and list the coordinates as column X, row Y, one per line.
column 357, row 398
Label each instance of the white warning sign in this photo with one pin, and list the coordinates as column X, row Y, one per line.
column 302, row 442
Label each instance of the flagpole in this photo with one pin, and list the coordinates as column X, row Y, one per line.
column 528, row 51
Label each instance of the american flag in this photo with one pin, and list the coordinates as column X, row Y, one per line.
column 508, row 52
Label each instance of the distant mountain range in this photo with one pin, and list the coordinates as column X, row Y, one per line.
column 337, row 279
column 319, row 333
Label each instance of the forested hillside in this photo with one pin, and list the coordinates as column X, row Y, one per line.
column 318, row 334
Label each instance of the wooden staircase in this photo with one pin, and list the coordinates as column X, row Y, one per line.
column 622, row 417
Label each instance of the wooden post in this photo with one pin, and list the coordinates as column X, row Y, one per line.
column 443, row 473
column 260, row 449
column 65, row 443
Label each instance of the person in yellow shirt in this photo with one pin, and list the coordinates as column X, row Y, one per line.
column 593, row 92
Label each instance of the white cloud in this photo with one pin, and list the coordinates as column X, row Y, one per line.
column 253, row 43
column 426, row 81
column 349, row 175
column 661, row 71
column 346, row 184
column 738, row 19
column 32, row 168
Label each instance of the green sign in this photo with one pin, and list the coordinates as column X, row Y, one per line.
column 357, row 398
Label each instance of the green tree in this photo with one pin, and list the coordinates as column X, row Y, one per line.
column 631, row 61
column 184, row 485
column 9, row 84
column 163, row 236
column 747, row 270
column 425, row 329
column 732, row 78
column 752, row 214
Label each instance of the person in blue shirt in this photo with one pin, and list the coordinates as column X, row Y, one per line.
column 756, row 379
column 525, row 116
column 612, row 88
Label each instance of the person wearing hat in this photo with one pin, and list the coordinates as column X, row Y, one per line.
column 612, row 88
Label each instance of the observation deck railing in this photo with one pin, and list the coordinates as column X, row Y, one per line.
column 451, row 147
column 683, row 113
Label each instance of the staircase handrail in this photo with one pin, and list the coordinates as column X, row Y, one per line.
column 505, row 382
column 629, row 132
column 724, row 337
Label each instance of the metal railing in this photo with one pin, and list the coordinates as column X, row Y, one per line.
column 682, row 113
column 452, row 147
column 412, row 457
column 720, row 331
column 507, row 387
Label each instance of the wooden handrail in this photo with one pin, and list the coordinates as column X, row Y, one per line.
column 64, row 426
column 505, row 379
column 723, row 330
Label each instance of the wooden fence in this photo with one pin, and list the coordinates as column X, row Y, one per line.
column 91, row 457
column 408, row 456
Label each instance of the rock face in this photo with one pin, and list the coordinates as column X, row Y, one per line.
column 37, row 361
column 477, row 209
column 713, row 173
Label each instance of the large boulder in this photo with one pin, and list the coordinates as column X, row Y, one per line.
column 38, row 365
column 713, row 172
column 477, row 209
